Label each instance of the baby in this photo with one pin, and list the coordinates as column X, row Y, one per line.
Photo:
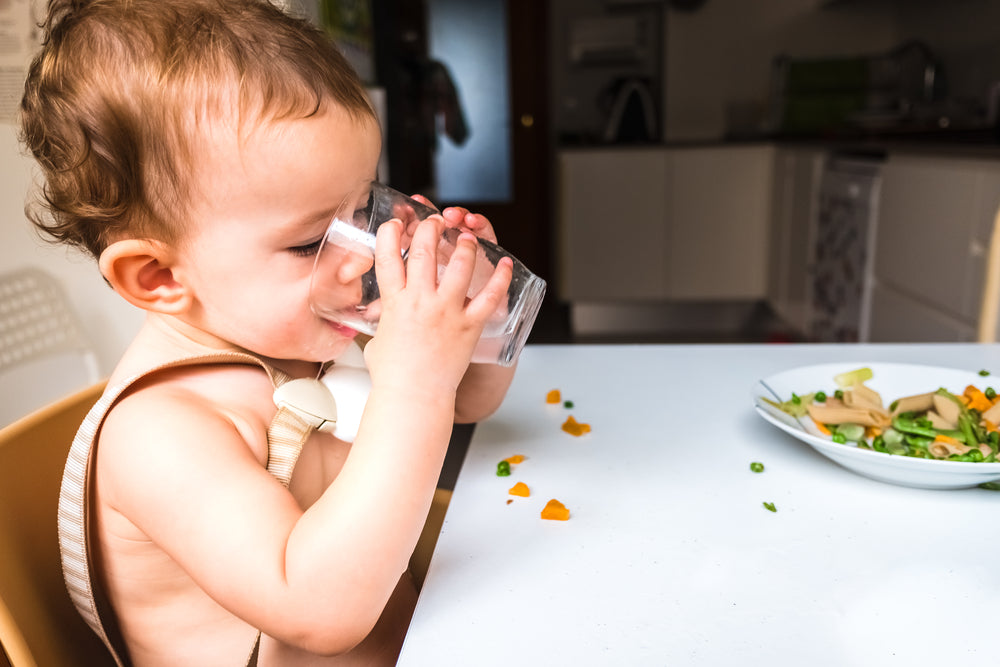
column 198, row 149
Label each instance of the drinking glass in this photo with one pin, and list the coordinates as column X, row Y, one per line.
column 338, row 296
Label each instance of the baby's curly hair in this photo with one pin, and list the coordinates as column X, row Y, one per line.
column 116, row 101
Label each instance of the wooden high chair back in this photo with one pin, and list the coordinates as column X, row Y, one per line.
column 989, row 310
column 39, row 627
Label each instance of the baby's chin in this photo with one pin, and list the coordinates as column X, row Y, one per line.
column 334, row 345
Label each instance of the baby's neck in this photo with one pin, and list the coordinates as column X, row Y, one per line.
column 163, row 339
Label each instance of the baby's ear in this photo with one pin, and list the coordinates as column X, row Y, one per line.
column 140, row 270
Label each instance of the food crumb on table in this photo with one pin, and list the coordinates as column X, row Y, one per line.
column 573, row 427
column 555, row 511
column 554, row 396
column 520, row 489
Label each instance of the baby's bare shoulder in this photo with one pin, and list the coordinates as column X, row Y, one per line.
column 210, row 414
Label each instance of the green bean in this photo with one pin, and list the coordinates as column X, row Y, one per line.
column 503, row 469
column 770, row 507
column 839, row 438
column 906, row 425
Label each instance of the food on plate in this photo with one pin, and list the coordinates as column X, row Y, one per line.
column 503, row 469
column 770, row 507
column 520, row 489
column 757, row 466
column 555, row 511
column 573, row 427
column 553, row 397
column 934, row 425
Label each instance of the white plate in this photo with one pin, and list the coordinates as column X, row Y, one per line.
column 892, row 381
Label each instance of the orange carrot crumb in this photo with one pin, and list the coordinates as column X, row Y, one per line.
column 514, row 460
column 555, row 511
column 821, row 426
column 940, row 437
column 977, row 399
column 520, row 489
column 553, row 396
column 573, row 427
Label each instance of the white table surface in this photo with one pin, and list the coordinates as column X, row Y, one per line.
column 669, row 556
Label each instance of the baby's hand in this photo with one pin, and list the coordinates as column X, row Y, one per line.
column 457, row 216
column 428, row 327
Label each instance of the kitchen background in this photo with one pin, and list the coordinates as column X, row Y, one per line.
column 678, row 170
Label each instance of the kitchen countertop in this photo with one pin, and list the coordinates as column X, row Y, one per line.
column 958, row 144
column 669, row 557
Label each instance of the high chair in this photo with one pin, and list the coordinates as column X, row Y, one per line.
column 39, row 627
column 44, row 351
column 989, row 309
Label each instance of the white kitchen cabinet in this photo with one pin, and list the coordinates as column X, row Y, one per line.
column 662, row 224
column 934, row 223
column 797, row 173
column 612, row 234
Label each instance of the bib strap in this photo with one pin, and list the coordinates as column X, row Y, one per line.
column 286, row 435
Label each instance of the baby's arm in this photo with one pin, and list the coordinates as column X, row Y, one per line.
column 319, row 578
column 484, row 386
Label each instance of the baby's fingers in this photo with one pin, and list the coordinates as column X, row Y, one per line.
column 493, row 295
column 458, row 274
column 389, row 270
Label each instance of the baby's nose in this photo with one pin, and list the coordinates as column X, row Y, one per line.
column 353, row 266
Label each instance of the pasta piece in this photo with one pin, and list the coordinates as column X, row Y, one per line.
column 943, row 447
column 940, row 423
column 993, row 414
column 860, row 396
column 918, row 403
column 947, row 409
column 833, row 414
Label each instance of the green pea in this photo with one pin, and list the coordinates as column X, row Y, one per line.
column 757, row 466
column 838, row 394
column 839, row 438
column 503, row 469
column 568, row 404
column 990, row 393
column 820, row 396
column 974, row 455
column 984, row 372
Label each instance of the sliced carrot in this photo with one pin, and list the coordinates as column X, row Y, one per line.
column 821, row 426
column 940, row 437
column 573, row 427
column 514, row 460
column 553, row 396
column 977, row 399
column 520, row 489
column 555, row 511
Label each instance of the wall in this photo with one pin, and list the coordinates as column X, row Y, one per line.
column 719, row 57
column 965, row 34
column 108, row 320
